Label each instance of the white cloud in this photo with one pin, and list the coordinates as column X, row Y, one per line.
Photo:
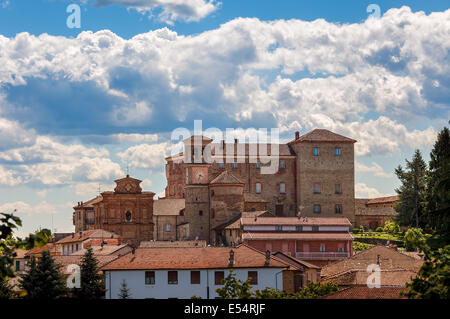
column 376, row 169
column 364, row 191
column 90, row 190
column 136, row 138
column 145, row 155
column 8, row 177
column 172, row 10
column 25, row 209
column 13, row 135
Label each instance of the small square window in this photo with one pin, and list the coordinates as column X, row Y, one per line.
column 338, row 189
column 195, row 277
column 317, row 209
column 172, row 277
column 338, row 209
column 323, row 248
column 315, row 228
column 337, row 151
column 235, row 165
column 253, row 276
column 282, row 164
column 258, row 188
column 200, row 213
column 218, row 277
column 149, row 277
column 167, row 229
column 258, row 165
column 316, row 151
column 282, row 188
column 221, row 165
column 316, row 188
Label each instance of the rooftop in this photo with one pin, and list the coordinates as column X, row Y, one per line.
column 321, row 135
column 382, row 200
column 193, row 258
column 100, row 251
column 226, row 177
column 364, row 292
column 292, row 235
column 173, row 244
column 310, row 221
column 168, row 207
column 83, row 235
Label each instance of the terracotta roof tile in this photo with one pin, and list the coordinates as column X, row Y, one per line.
column 95, row 233
column 173, row 244
column 299, row 236
column 321, row 135
column 382, row 200
column 364, row 292
column 226, row 177
column 90, row 203
column 65, row 261
column 321, row 221
column 38, row 250
column 193, row 258
column 389, row 277
column 99, row 250
column 237, row 224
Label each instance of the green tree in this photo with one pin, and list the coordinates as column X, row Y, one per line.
column 271, row 293
column 43, row 279
column 8, row 223
column 91, row 281
column 414, row 239
column 234, row 288
column 438, row 190
column 315, row 290
column 412, row 191
column 433, row 278
column 391, row 228
column 124, row 290
column 6, row 291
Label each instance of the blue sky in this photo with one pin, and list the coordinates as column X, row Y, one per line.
column 78, row 104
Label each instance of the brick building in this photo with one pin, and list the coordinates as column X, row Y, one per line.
column 315, row 175
column 375, row 212
column 127, row 211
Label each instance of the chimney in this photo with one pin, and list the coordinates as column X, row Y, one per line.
column 297, row 135
column 73, row 235
column 256, row 218
column 378, row 260
column 133, row 251
column 79, row 234
column 231, row 260
column 235, row 141
column 267, row 263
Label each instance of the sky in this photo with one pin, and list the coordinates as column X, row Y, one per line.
column 82, row 104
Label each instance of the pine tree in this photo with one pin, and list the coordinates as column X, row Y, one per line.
column 43, row 279
column 412, row 191
column 91, row 281
column 124, row 291
column 6, row 291
column 438, row 191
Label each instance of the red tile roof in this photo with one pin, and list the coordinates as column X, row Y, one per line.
column 321, row 135
column 193, row 258
column 364, row 292
column 381, row 200
column 38, row 250
column 310, row 221
column 95, row 233
column 65, row 261
column 388, row 277
column 292, row 235
column 90, row 203
column 226, row 178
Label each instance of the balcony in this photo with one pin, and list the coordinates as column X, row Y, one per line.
column 322, row 255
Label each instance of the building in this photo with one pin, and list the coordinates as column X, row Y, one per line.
column 128, row 212
column 315, row 174
column 375, row 212
column 302, row 273
column 319, row 241
column 20, row 260
column 364, row 292
column 169, row 220
column 396, row 269
column 174, row 244
column 232, row 231
column 84, row 239
column 169, row 273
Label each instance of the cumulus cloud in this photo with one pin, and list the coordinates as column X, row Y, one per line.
column 26, row 209
column 13, row 135
column 364, row 191
column 375, row 168
column 9, row 177
column 172, row 10
column 145, row 155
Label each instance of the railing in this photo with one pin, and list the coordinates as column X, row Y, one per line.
column 322, row 255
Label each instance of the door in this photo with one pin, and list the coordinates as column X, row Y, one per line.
column 279, row 210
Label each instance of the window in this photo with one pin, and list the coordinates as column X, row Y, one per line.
column 282, row 188
column 337, row 151
column 258, row 188
column 149, row 277
column 235, row 165
column 258, row 165
column 323, row 248
column 76, row 247
column 172, row 277
column 200, row 213
column 338, row 209
column 128, row 216
column 17, row 265
column 337, row 189
column 213, row 212
column 221, row 165
column 316, row 188
column 195, row 277
column 341, row 250
column 278, row 228
column 317, row 209
column 315, row 228
column 182, row 212
column 282, row 164
column 218, row 277
column 253, row 276
column 316, row 151
column 167, row 228
column 299, row 228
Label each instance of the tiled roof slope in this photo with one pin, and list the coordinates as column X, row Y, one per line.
column 226, row 178
column 381, row 200
column 321, row 135
column 309, row 221
column 82, row 236
column 364, row 292
column 193, row 258
column 299, row 236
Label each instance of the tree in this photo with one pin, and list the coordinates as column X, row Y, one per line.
column 91, row 281
column 438, row 191
column 414, row 239
column 433, row 278
column 412, row 191
column 124, row 291
column 8, row 223
column 391, row 228
column 43, row 279
column 234, row 288
column 6, row 291
column 315, row 290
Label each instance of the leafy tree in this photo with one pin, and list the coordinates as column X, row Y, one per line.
column 412, row 191
column 414, row 239
column 8, row 223
column 6, row 291
column 124, row 291
column 43, row 279
column 433, row 278
column 438, row 192
column 271, row 293
column 391, row 228
column 315, row 290
column 234, row 288
column 91, row 281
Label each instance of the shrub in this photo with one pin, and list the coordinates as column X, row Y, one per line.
column 356, row 230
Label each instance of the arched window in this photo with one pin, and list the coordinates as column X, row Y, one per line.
column 128, row 216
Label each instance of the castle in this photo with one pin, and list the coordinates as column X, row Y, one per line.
column 315, row 176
